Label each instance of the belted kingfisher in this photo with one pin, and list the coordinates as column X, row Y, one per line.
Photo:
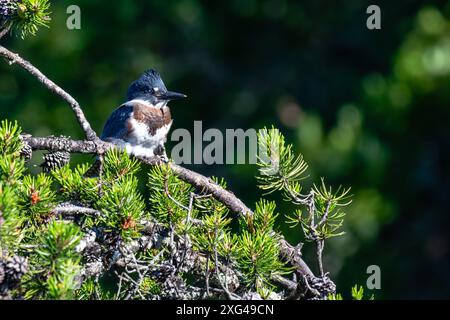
column 141, row 124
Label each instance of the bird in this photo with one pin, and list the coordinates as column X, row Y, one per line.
column 142, row 123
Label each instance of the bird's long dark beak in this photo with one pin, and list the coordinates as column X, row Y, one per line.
column 170, row 95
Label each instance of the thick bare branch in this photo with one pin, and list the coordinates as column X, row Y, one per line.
column 293, row 255
column 53, row 144
column 69, row 210
column 208, row 186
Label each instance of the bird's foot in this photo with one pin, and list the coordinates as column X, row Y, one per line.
column 160, row 152
column 163, row 158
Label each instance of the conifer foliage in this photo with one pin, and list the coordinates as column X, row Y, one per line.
column 24, row 16
column 67, row 235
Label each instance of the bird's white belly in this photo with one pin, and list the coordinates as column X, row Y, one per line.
column 141, row 143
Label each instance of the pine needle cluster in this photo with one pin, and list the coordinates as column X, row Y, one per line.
column 24, row 16
column 73, row 236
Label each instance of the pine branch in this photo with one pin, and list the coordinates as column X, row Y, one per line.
column 290, row 253
column 53, row 144
column 93, row 145
column 197, row 180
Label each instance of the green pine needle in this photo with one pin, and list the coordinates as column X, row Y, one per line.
column 279, row 168
column 29, row 15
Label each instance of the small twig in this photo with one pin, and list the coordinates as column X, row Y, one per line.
column 188, row 220
column 319, row 246
column 120, row 285
column 167, row 193
column 134, row 290
column 309, row 201
column 230, row 295
column 207, row 276
column 139, row 282
column 312, row 209
column 97, row 295
column 100, row 174
column 172, row 241
column 326, row 213
column 191, row 206
column 5, row 31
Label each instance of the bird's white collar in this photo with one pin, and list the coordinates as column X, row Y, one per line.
column 147, row 103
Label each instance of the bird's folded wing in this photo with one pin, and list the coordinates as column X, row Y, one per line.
column 116, row 127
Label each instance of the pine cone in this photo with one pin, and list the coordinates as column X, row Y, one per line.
column 324, row 285
column 16, row 267
column 53, row 160
column 26, row 152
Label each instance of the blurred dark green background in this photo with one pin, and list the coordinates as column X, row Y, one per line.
column 368, row 109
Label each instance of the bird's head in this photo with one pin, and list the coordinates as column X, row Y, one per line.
column 151, row 88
